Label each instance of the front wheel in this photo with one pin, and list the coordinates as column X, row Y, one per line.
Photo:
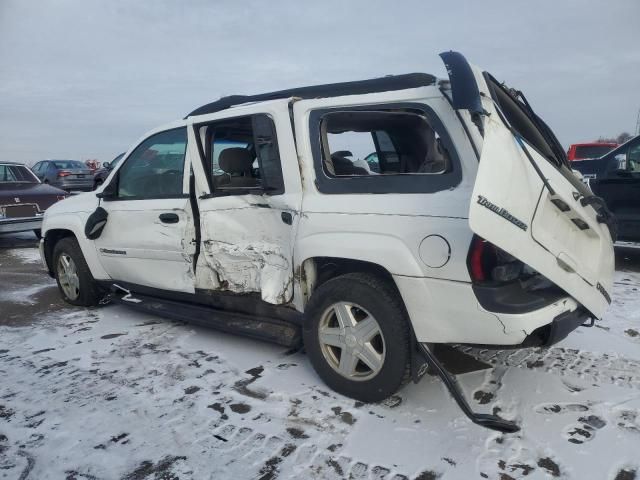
column 74, row 278
column 357, row 336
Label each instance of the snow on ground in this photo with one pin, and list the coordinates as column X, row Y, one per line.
column 110, row 393
column 27, row 255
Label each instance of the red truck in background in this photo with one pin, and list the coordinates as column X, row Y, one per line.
column 581, row 151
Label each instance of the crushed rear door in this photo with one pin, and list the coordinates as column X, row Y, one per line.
column 531, row 207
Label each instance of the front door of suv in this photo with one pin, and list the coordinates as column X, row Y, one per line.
column 247, row 185
column 149, row 216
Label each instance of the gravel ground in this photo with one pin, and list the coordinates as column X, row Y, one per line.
column 109, row 393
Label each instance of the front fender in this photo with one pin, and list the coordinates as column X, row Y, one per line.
column 74, row 222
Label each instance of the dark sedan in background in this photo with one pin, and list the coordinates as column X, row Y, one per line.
column 65, row 174
column 101, row 174
column 616, row 178
column 23, row 199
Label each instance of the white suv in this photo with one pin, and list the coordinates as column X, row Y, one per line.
column 369, row 219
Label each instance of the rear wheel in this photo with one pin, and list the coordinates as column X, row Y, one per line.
column 357, row 336
column 74, row 278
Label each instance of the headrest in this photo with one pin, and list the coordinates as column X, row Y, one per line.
column 235, row 160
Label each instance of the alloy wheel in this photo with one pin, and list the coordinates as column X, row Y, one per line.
column 351, row 341
column 68, row 276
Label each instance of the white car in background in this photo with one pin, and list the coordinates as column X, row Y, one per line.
column 247, row 215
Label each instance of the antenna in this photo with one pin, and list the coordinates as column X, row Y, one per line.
column 638, row 124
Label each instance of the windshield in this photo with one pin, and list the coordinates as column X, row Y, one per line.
column 16, row 174
column 68, row 164
column 592, row 151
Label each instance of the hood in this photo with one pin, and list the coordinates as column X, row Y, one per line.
column 83, row 202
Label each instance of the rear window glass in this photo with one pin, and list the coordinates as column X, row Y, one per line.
column 592, row 151
column 16, row 173
column 68, row 164
column 362, row 143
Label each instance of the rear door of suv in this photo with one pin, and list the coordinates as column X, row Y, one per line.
column 526, row 200
column 248, row 196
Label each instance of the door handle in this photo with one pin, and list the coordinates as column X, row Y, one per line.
column 169, row 218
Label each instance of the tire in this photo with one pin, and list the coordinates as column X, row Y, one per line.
column 38, row 233
column 364, row 296
column 84, row 291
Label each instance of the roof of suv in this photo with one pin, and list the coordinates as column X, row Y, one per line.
column 360, row 87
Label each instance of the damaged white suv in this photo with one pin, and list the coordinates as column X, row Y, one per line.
column 367, row 219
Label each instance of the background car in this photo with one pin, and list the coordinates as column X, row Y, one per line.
column 616, row 178
column 23, row 199
column 65, row 174
column 101, row 174
column 580, row 151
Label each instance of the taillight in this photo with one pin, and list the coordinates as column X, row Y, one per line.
column 488, row 263
column 475, row 260
column 63, row 174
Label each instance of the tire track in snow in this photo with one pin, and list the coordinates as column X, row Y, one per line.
column 600, row 368
column 150, row 374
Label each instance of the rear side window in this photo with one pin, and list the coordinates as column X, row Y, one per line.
column 68, row 164
column 381, row 143
column 155, row 169
column 391, row 150
column 15, row 174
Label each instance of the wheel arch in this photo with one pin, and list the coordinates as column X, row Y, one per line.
column 50, row 239
column 381, row 254
column 69, row 225
column 314, row 271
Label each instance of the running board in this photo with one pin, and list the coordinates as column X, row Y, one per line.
column 261, row 328
column 486, row 420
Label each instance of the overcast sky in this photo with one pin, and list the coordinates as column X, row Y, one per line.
column 84, row 79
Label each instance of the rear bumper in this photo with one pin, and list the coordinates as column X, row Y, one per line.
column 23, row 224
column 84, row 185
column 558, row 329
column 444, row 311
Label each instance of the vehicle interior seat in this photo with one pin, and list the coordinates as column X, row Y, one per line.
column 344, row 166
column 437, row 158
column 237, row 163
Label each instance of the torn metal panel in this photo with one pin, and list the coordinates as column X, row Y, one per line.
column 246, row 267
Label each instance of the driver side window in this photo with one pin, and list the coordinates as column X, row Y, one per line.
column 155, row 169
column 633, row 158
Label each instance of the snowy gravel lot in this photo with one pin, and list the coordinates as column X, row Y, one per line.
column 110, row 393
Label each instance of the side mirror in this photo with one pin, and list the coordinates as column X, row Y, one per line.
column 106, row 165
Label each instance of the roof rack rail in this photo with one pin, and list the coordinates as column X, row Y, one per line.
column 360, row 87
